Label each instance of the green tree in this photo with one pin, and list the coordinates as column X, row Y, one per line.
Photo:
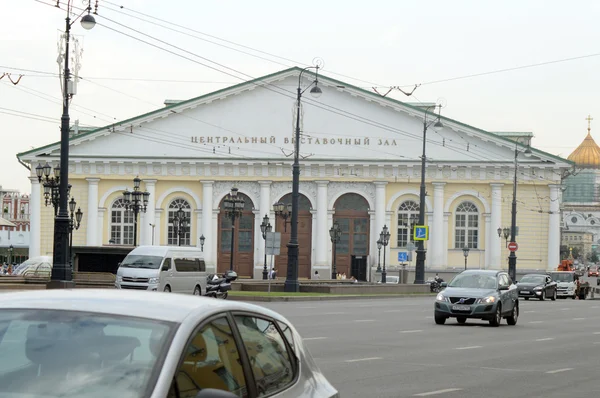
column 593, row 257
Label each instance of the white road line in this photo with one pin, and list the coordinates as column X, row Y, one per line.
column 529, row 312
column 468, row 348
column 545, row 339
column 594, row 306
column 565, row 309
column 307, row 307
column 334, row 313
column 314, row 338
column 364, row 320
column 559, row 371
column 596, row 332
column 427, row 394
column 363, row 359
column 535, row 321
column 578, row 319
column 410, row 331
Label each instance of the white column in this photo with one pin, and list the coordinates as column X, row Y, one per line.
column 313, row 243
column 35, row 219
column 328, row 244
column 554, row 228
column 374, row 236
column 259, row 245
column 92, row 212
column 100, row 227
column 447, row 236
column 213, row 241
column 210, row 244
column 146, row 230
column 380, row 219
column 489, row 230
column 321, row 227
column 196, row 241
column 437, row 228
column 157, row 226
column 493, row 241
column 265, row 209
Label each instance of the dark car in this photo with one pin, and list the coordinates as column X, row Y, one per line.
column 480, row 294
column 537, row 286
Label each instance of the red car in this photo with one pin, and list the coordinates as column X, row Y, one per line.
column 593, row 271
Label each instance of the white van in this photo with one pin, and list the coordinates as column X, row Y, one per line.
column 163, row 268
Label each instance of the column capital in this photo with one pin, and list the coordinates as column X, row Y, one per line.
column 197, row 211
column 207, row 182
column 265, row 183
column 321, row 183
column 150, row 181
column 92, row 180
column 101, row 210
column 496, row 185
column 34, row 180
column 380, row 183
column 438, row 184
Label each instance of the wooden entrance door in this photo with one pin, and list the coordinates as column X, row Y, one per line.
column 243, row 251
column 304, row 239
column 352, row 214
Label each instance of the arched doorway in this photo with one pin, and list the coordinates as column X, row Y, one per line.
column 304, row 238
column 243, row 253
column 352, row 214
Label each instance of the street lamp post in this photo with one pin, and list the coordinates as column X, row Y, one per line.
column 234, row 205
column 137, row 202
column 379, row 245
column 291, row 281
column 61, row 271
column 10, row 252
column 202, row 239
column 265, row 228
column 420, row 265
column 466, row 254
column 384, row 237
column 283, row 211
column 512, row 258
column 506, row 232
column 74, row 224
column 335, row 234
column 180, row 223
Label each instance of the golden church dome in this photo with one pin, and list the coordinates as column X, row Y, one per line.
column 587, row 154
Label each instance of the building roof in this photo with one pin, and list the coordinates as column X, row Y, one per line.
column 587, row 154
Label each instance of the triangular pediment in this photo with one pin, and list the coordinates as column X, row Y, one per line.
column 256, row 121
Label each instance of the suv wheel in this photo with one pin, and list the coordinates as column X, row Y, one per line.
column 495, row 321
column 439, row 319
column 553, row 295
column 514, row 316
column 543, row 296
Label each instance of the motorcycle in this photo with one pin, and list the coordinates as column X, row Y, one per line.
column 436, row 286
column 218, row 287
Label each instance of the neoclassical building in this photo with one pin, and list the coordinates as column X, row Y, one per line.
column 360, row 166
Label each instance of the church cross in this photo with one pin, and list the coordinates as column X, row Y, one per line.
column 589, row 120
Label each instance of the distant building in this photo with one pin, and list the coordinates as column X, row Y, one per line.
column 15, row 209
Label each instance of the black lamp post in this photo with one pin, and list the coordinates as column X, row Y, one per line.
column 10, row 252
column 384, row 237
column 202, row 239
column 180, row 224
column 335, row 234
column 136, row 201
column 283, row 211
column 234, row 205
column 420, row 264
column 265, row 227
column 61, row 270
column 50, row 180
column 379, row 245
column 466, row 254
column 291, row 281
column 512, row 258
column 74, row 224
column 506, row 232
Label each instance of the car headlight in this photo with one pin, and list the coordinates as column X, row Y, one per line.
column 119, row 278
column 537, row 288
column 441, row 297
column 153, row 280
column 488, row 300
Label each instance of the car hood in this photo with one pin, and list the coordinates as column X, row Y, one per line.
column 528, row 285
column 468, row 292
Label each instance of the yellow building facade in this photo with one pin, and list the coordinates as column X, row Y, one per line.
column 360, row 167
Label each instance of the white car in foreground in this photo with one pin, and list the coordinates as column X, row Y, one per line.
column 114, row 343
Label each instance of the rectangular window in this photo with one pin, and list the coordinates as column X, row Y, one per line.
column 189, row 265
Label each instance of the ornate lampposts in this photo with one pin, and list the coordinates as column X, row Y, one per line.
column 50, row 180
column 506, row 232
column 74, row 224
column 265, row 227
column 379, row 245
column 202, row 239
column 466, row 254
column 283, row 211
column 335, row 234
column 136, row 201
column 234, row 205
column 180, row 224
column 10, row 252
column 384, row 238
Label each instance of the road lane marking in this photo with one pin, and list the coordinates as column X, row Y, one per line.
column 427, row 394
column 364, row 320
column 363, row 359
column 307, row 307
column 565, row 309
column 410, row 331
column 334, row 313
column 535, row 321
column 468, row 348
column 596, row 332
column 314, row 338
column 529, row 312
column 594, row 306
column 558, row 371
column 545, row 339
column 578, row 319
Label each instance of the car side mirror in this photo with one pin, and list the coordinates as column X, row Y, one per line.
column 214, row 393
column 444, row 284
column 165, row 268
column 516, row 282
column 503, row 287
column 118, row 265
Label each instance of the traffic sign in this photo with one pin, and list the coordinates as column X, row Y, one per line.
column 273, row 243
column 402, row 257
column 421, row 232
column 513, row 247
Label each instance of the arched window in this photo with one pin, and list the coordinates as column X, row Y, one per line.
column 408, row 217
column 185, row 233
column 121, row 224
column 466, row 226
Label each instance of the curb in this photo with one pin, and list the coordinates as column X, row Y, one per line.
column 321, row 298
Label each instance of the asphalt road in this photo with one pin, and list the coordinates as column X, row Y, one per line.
column 392, row 348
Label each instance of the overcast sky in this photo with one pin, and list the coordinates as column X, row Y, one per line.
column 387, row 43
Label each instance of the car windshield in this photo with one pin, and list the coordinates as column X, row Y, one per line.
column 474, row 281
column 559, row 277
column 538, row 279
column 49, row 353
column 137, row 261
